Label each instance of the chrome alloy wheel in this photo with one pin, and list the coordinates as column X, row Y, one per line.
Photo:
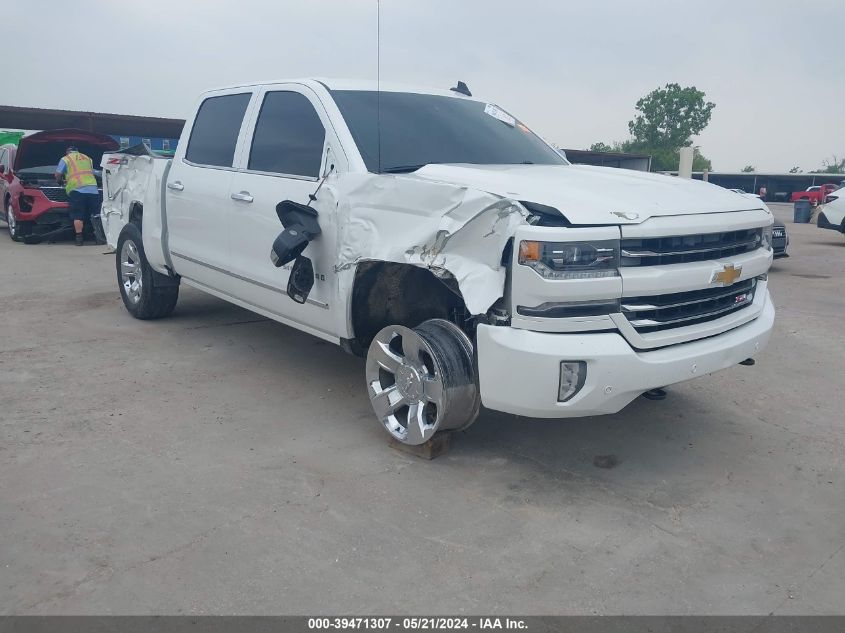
column 421, row 381
column 11, row 222
column 131, row 274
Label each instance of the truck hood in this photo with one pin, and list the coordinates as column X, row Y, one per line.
column 594, row 195
column 46, row 148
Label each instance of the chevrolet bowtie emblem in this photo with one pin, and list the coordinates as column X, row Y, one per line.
column 727, row 275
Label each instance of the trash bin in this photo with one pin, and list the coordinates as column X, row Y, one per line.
column 801, row 212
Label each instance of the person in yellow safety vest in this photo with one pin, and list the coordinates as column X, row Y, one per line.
column 77, row 170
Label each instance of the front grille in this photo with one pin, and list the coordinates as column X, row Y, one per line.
column 662, row 312
column 677, row 249
column 56, row 194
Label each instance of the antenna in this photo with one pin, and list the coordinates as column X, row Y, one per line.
column 378, row 80
column 312, row 197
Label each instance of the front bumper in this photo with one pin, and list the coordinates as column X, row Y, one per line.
column 43, row 213
column 519, row 370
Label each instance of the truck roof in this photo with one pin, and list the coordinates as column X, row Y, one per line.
column 350, row 84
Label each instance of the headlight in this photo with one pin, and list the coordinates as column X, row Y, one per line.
column 571, row 260
column 766, row 237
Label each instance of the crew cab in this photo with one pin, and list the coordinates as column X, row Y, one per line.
column 819, row 193
column 34, row 203
column 437, row 235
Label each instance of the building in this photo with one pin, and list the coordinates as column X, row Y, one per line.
column 128, row 130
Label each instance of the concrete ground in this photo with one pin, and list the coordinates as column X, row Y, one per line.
column 217, row 462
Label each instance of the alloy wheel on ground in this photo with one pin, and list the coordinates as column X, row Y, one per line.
column 421, row 381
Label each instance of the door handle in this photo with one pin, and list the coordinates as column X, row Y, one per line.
column 243, row 196
column 176, row 186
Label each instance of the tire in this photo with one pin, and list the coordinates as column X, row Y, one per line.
column 422, row 381
column 17, row 229
column 141, row 288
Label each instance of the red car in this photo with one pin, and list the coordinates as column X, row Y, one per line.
column 818, row 192
column 34, row 203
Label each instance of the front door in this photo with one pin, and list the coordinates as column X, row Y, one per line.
column 284, row 159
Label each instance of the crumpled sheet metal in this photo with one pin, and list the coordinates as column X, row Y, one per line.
column 434, row 225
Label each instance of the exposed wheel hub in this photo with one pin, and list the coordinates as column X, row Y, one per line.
column 409, row 383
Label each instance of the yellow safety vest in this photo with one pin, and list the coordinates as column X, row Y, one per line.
column 80, row 171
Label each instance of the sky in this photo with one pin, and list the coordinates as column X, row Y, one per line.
column 572, row 70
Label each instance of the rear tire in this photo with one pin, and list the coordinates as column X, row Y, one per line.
column 137, row 280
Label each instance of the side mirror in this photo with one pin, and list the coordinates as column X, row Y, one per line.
column 301, row 227
column 301, row 279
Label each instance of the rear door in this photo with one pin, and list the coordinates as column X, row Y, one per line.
column 284, row 158
column 197, row 188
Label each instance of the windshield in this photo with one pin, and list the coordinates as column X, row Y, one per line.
column 420, row 129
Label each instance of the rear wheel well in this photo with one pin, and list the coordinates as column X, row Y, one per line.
column 387, row 293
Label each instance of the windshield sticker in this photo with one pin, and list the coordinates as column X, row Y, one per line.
column 497, row 113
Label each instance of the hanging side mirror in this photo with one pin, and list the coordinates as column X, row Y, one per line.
column 301, row 279
column 301, row 227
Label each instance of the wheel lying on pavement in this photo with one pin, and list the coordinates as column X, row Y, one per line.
column 422, row 380
column 144, row 294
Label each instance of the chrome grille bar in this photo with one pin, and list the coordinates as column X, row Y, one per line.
column 689, row 248
column 660, row 312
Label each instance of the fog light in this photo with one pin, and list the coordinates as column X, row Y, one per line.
column 573, row 373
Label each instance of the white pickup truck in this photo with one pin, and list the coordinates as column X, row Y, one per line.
column 436, row 234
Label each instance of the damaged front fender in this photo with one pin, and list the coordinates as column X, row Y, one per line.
column 438, row 226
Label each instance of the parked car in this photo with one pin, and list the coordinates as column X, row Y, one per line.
column 832, row 216
column 461, row 254
column 780, row 240
column 819, row 193
column 33, row 202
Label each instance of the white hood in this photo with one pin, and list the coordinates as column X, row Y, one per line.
column 594, row 195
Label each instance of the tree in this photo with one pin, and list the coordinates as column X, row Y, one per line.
column 668, row 159
column 700, row 162
column 795, row 170
column 669, row 116
column 835, row 166
column 748, row 169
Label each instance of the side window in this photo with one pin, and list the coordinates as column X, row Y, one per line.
column 289, row 136
column 215, row 131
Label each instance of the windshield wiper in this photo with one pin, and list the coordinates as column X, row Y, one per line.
column 404, row 169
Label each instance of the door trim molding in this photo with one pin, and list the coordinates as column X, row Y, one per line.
column 314, row 302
